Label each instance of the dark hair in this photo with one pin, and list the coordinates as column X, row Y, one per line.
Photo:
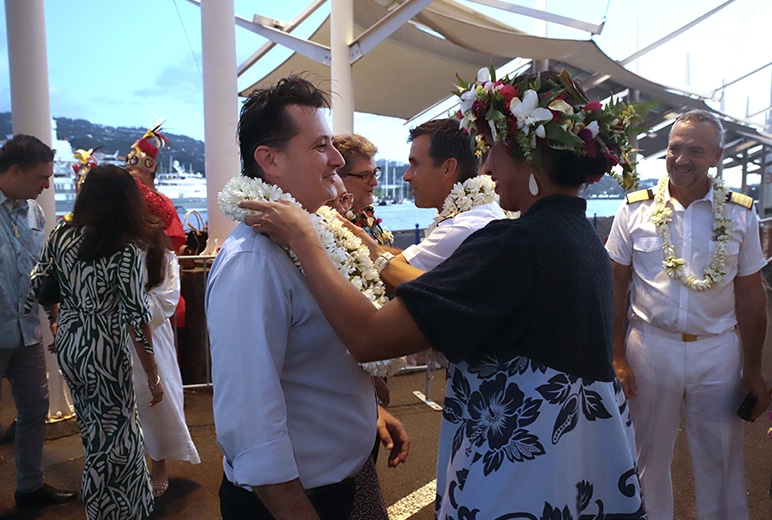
column 264, row 119
column 353, row 147
column 158, row 245
column 111, row 209
column 25, row 151
column 564, row 167
column 448, row 140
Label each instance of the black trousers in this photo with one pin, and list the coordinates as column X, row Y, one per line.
column 332, row 502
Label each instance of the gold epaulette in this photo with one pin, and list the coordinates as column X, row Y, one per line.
column 639, row 196
column 738, row 198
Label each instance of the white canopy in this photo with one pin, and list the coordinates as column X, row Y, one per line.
column 416, row 66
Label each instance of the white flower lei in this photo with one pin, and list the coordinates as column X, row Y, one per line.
column 722, row 228
column 350, row 256
column 475, row 191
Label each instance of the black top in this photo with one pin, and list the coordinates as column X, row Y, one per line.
column 540, row 286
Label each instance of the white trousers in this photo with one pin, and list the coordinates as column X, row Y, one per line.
column 702, row 379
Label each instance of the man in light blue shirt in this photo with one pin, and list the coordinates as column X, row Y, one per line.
column 295, row 414
column 26, row 165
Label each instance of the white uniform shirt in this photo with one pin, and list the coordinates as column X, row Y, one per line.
column 666, row 303
column 289, row 401
column 449, row 234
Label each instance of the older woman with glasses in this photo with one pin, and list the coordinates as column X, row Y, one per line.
column 344, row 201
column 360, row 175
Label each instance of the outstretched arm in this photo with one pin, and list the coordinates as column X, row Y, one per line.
column 368, row 334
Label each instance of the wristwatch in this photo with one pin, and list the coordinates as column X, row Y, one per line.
column 382, row 261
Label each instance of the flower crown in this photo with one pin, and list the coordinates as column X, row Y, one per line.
column 514, row 112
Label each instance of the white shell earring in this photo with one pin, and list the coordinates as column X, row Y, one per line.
column 533, row 187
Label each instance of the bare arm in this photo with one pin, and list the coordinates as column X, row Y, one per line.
column 399, row 271
column 623, row 274
column 149, row 365
column 369, row 335
column 751, row 310
column 287, row 501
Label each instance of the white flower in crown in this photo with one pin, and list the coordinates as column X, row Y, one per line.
column 529, row 114
column 467, row 100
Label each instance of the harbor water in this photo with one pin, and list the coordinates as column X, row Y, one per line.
column 405, row 216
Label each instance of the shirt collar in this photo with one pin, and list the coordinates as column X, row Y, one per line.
column 707, row 197
column 6, row 201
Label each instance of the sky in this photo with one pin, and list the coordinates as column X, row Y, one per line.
column 131, row 63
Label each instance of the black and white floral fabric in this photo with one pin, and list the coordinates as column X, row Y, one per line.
column 516, row 440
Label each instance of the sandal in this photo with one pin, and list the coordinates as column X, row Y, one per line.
column 160, row 487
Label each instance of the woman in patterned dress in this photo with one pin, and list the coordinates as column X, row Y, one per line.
column 534, row 424
column 164, row 429
column 95, row 256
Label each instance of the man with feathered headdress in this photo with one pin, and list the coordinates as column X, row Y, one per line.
column 86, row 161
column 142, row 164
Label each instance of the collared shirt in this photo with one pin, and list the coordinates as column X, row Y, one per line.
column 667, row 303
column 449, row 234
column 289, row 401
column 22, row 234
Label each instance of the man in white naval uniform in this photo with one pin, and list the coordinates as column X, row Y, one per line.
column 689, row 252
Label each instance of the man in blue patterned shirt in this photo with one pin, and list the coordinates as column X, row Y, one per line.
column 26, row 165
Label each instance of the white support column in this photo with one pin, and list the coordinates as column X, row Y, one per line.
column 221, row 110
column 28, row 66
column 31, row 112
column 540, row 29
column 341, row 36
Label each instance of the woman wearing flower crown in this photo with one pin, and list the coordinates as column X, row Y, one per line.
column 535, row 424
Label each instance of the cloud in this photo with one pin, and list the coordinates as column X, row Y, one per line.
column 180, row 81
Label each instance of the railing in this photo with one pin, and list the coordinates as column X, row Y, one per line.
column 192, row 340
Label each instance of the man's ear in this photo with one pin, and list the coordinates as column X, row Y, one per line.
column 14, row 170
column 450, row 169
column 717, row 157
column 266, row 157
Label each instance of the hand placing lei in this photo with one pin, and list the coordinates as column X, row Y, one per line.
column 475, row 191
column 350, row 256
column 722, row 228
